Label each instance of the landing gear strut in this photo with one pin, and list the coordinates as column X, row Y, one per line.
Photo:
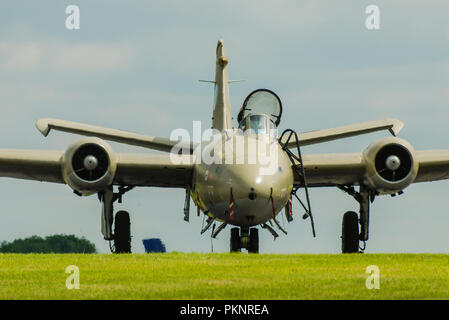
column 351, row 237
column 245, row 238
column 122, row 226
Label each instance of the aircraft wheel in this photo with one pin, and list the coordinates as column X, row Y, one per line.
column 253, row 240
column 350, row 233
column 122, row 232
column 235, row 240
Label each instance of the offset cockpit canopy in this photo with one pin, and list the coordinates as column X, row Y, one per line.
column 262, row 101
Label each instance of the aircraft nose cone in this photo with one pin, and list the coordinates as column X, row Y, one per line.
column 90, row 162
column 258, row 188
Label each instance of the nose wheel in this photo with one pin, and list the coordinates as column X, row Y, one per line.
column 245, row 238
column 235, row 240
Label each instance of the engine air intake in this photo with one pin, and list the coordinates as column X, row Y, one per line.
column 393, row 162
column 90, row 162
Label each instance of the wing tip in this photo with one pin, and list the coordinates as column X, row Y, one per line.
column 396, row 126
column 43, row 126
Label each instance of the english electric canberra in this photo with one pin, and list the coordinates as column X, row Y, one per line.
column 244, row 176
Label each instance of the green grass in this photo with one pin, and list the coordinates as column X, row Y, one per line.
column 224, row 276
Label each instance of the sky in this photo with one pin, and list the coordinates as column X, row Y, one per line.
column 135, row 65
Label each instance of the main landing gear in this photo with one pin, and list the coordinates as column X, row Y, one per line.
column 245, row 238
column 350, row 233
column 121, row 237
column 122, row 232
column 351, row 237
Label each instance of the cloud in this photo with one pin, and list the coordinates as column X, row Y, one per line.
column 21, row 58
column 55, row 56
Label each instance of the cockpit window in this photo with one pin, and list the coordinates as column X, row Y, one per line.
column 257, row 124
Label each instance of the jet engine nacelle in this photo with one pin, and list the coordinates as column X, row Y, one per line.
column 89, row 165
column 391, row 165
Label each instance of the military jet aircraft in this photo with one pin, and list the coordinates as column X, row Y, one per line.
column 244, row 176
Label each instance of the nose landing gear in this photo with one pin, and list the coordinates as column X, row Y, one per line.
column 245, row 238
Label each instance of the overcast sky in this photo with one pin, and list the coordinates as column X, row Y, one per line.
column 134, row 65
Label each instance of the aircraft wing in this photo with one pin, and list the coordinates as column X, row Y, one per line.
column 152, row 171
column 132, row 169
column 433, row 165
column 349, row 168
column 37, row 165
column 319, row 136
column 127, row 137
column 332, row 169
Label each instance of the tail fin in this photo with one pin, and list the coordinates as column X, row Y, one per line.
column 222, row 118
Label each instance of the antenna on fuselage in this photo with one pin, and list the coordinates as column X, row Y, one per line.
column 229, row 81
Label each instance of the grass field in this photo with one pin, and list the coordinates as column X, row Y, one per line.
column 224, row 276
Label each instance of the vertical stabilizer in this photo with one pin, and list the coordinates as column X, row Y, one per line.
column 222, row 118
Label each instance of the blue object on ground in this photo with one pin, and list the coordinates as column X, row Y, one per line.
column 153, row 245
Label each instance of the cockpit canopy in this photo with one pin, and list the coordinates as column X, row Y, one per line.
column 257, row 124
column 261, row 102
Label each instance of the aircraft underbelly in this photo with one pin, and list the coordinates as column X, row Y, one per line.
column 246, row 212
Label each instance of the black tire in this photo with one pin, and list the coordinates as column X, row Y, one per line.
column 253, row 240
column 350, row 233
column 235, row 240
column 122, row 232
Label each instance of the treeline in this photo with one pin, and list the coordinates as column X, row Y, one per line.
column 52, row 244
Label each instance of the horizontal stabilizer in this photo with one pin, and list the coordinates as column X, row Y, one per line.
column 126, row 137
column 229, row 81
column 319, row 136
